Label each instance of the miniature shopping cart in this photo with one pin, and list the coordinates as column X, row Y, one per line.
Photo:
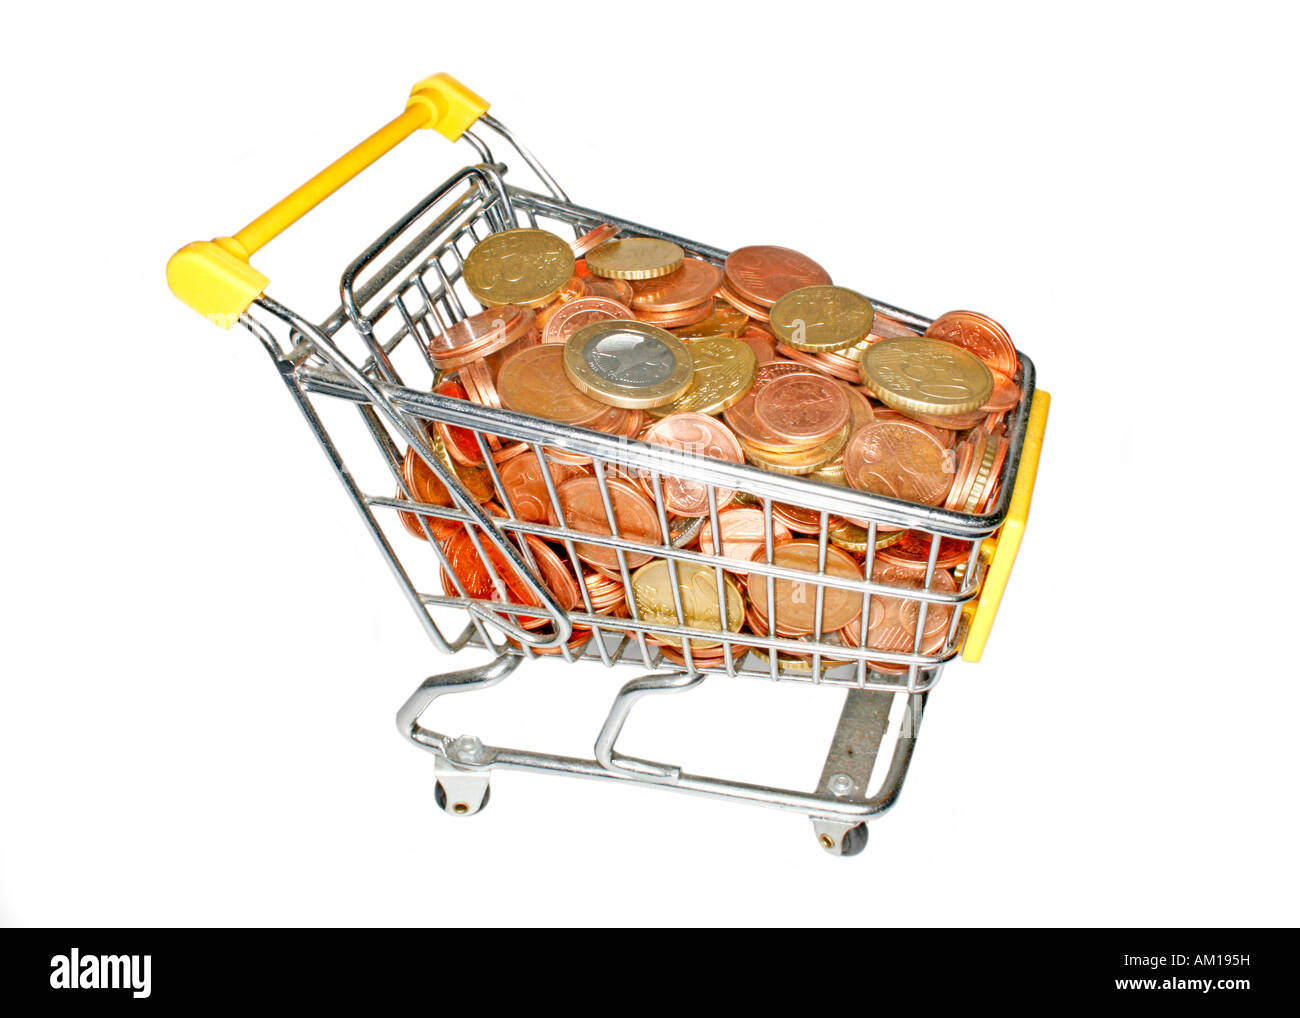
column 363, row 379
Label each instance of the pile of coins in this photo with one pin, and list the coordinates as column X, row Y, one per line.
column 762, row 360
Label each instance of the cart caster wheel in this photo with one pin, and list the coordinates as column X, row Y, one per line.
column 460, row 805
column 840, row 839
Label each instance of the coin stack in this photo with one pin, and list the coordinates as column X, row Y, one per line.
column 762, row 360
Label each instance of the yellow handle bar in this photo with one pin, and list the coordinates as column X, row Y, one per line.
column 1001, row 551
column 214, row 277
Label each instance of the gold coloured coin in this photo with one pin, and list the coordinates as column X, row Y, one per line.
column 635, row 258
column 724, row 321
column 926, row 375
column 818, row 319
column 724, row 373
column 628, row 364
column 524, row 267
column 697, row 585
column 851, row 537
column 803, row 462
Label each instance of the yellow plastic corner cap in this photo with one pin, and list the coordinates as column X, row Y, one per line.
column 214, row 280
column 452, row 107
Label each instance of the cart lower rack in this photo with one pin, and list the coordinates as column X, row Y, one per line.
column 530, row 572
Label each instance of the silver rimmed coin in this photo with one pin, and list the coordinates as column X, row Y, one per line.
column 628, row 364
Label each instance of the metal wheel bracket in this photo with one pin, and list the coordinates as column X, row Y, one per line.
column 461, row 791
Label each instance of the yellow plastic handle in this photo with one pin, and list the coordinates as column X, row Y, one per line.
column 1004, row 547
column 214, row 277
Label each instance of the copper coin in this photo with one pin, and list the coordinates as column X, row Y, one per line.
column 593, row 238
column 898, row 459
column 422, row 483
column 440, row 528
column 685, row 318
column 742, row 535
column 884, row 327
column 746, row 307
column 796, row 600
column 760, row 342
column 891, row 621
column 615, row 289
column 764, row 273
column 614, row 421
column 534, row 382
column 478, row 335
column 911, row 552
column 525, row 484
column 634, row 515
column 1006, row 394
column 579, row 636
column 468, row 567
column 713, row 658
column 583, row 311
column 606, row 593
column 743, row 419
column 860, row 412
column 961, row 469
column 555, row 574
column 699, row 435
column 802, row 463
column 798, row 518
column 944, row 436
column 979, row 335
column 576, row 287
column 802, row 408
column 460, row 443
column 685, row 287
column 479, row 384
column 828, row 363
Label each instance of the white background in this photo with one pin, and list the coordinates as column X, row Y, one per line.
column 203, row 653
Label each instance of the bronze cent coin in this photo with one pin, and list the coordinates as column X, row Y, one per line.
column 796, row 600
column 684, row 318
column 743, row 535
column 980, row 335
column 765, row 273
column 802, row 408
column 634, row 516
column 699, row 435
column 534, row 382
column 479, row 335
column 570, row 317
column 898, row 459
column 685, row 287
column 593, row 238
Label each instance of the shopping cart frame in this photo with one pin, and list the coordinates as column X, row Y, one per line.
column 408, row 283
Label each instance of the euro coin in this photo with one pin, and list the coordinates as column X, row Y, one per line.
column 635, row 258
column 628, row 364
column 819, row 319
column 723, row 374
column 524, row 267
column 928, row 376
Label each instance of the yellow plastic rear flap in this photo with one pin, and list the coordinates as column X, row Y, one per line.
column 1007, row 543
